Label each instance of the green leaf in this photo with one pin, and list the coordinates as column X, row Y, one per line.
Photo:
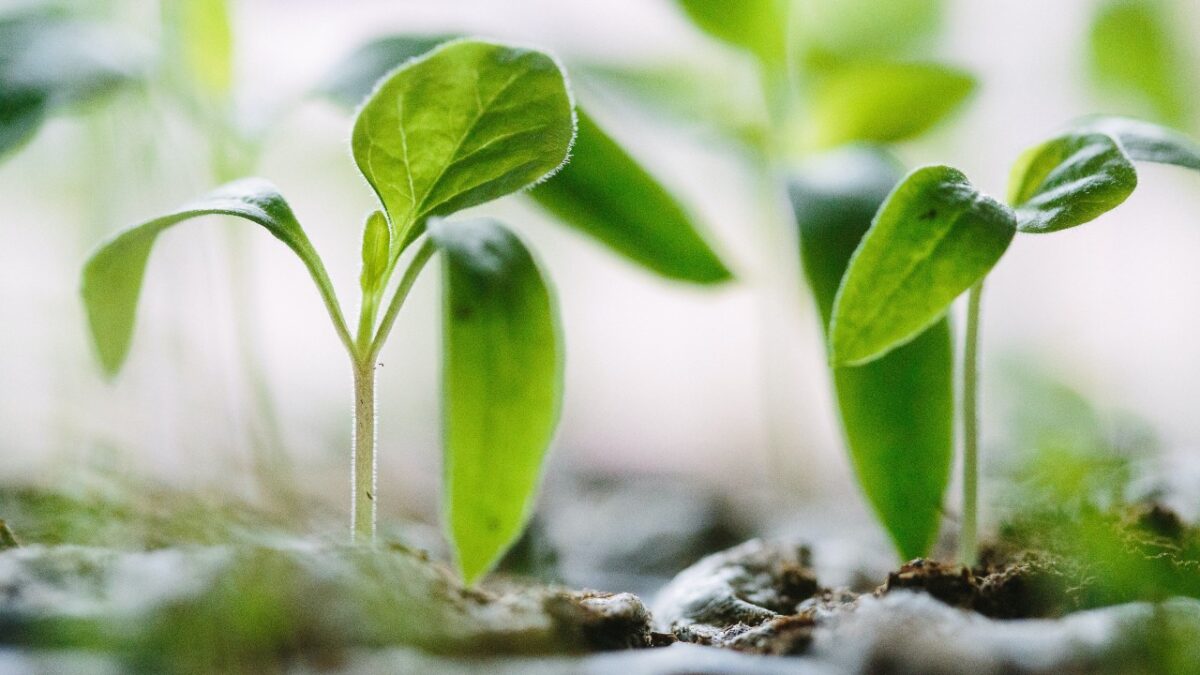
column 883, row 102
column 1147, row 142
column 503, row 386
column 349, row 82
column 897, row 411
column 112, row 276
column 1070, row 180
column 48, row 64
column 376, row 247
column 758, row 26
column 202, row 36
column 1136, row 51
column 606, row 194
column 465, row 124
column 934, row 237
column 839, row 30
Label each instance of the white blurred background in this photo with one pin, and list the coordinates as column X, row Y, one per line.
column 727, row 384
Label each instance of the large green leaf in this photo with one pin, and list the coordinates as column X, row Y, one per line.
column 112, row 276
column 758, row 26
column 1136, row 51
column 934, row 237
column 1147, row 142
column 48, row 63
column 1070, row 180
column 503, row 386
column 897, row 411
column 467, row 123
column 605, row 193
column 882, row 101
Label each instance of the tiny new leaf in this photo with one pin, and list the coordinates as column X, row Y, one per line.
column 112, row 276
column 1070, row 180
column 465, row 124
column 758, row 26
column 1146, row 141
column 897, row 411
column 605, row 193
column 882, row 101
column 502, row 377
column 934, row 237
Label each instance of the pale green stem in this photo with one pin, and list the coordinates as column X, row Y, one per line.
column 426, row 250
column 968, row 534
column 363, row 463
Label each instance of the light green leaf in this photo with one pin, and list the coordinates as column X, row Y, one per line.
column 606, row 194
column 503, row 386
column 202, row 36
column 1070, row 180
column 934, row 237
column 112, row 276
column 376, row 246
column 758, row 26
column 882, row 102
column 897, row 411
column 1147, row 142
column 839, row 30
column 351, row 80
column 467, row 123
column 1136, row 51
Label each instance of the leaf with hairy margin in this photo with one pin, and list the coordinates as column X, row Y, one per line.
column 1146, row 141
column 934, row 237
column 1070, row 180
column 465, row 124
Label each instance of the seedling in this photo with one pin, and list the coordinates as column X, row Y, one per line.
column 462, row 125
column 936, row 236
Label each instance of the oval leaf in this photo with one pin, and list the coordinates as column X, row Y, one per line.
column 112, row 276
column 1070, row 180
column 1147, row 142
column 897, row 412
column 883, row 102
column 758, row 26
column 1136, row 53
column 606, row 194
column 934, row 237
column 467, row 123
column 503, row 386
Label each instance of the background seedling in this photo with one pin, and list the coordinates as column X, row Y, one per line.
column 467, row 123
column 937, row 236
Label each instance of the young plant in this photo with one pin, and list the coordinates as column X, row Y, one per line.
column 937, row 236
column 462, row 125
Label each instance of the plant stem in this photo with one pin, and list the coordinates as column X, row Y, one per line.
column 968, row 534
column 363, row 462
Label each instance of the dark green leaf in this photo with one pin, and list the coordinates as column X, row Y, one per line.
column 604, row 193
column 934, row 237
column 1147, row 142
column 1070, row 180
column 353, row 79
column 467, row 123
column 112, row 277
column 503, row 386
column 758, row 26
column 897, row 412
column 1136, row 52
column 883, row 102
column 47, row 63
